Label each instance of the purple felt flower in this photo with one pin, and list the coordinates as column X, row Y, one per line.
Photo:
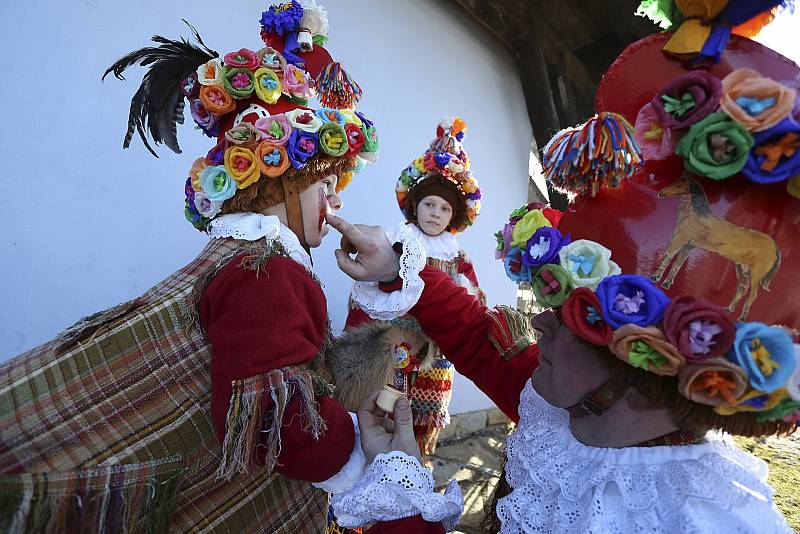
column 775, row 156
column 191, row 87
column 367, row 123
column 205, row 120
column 687, row 99
column 216, row 156
column 301, row 147
column 631, row 299
column 282, row 18
column 543, row 247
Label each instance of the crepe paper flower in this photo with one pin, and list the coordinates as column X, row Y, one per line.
column 504, row 235
column 216, row 183
column 296, row 82
column 793, row 384
column 331, row 115
column 216, row 100
column 272, row 159
column 194, row 173
column 351, row 116
column 274, row 129
column 631, row 299
column 701, row 330
column 190, row 86
column 332, row 139
column 244, row 134
column 755, row 102
column 304, row 120
column 752, row 401
column 205, row 206
column 785, row 407
column 282, row 18
column 193, row 216
column 366, row 122
column 527, row 226
column 716, row 147
column 543, row 247
column 776, row 154
column 588, row 263
column 204, row 120
column 646, row 348
column 355, row 139
column 211, row 73
column 515, row 270
column 239, row 83
column 188, row 189
column 244, row 58
column 714, row 382
column 371, row 144
column 582, row 315
column 687, row 99
column 216, row 156
column 241, row 165
column 766, row 353
column 301, row 147
column 551, row 285
column 656, row 141
column 271, row 59
column 267, row 85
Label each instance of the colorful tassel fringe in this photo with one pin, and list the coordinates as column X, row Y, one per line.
column 510, row 332
column 336, row 89
column 595, row 155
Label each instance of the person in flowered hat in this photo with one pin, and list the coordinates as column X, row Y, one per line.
column 206, row 403
column 671, row 322
column 439, row 197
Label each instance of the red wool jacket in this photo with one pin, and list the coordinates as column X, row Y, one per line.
column 260, row 322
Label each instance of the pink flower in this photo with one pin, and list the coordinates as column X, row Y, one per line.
column 244, row 58
column 656, row 140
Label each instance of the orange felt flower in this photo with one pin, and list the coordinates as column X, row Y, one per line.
column 743, row 85
column 714, row 382
column 194, row 173
column 272, row 159
column 646, row 348
column 216, row 100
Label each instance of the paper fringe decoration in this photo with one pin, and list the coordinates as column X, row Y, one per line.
column 336, row 89
column 593, row 156
column 509, row 331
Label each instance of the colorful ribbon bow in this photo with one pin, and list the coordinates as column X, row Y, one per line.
column 274, row 158
column 582, row 263
column 678, row 106
column 553, row 285
column 787, row 146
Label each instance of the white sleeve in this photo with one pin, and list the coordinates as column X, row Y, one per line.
column 395, row 486
column 351, row 471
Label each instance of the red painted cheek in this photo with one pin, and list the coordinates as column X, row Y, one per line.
column 323, row 207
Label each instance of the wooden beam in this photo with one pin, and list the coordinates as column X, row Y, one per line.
column 535, row 78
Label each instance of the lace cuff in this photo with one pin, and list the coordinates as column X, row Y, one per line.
column 349, row 473
column 395, row 486
column 387, row 306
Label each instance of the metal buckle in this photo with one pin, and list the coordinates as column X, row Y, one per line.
column 592, row 406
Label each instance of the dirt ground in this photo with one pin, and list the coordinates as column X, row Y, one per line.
column 475, row 461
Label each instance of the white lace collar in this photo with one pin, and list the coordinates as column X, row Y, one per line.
column 441, row 247
column 562, row 485
column 254, row 226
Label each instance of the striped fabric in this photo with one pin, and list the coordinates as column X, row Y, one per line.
column 108, row 427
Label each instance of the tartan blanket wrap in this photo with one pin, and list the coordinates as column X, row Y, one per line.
column 108, row 427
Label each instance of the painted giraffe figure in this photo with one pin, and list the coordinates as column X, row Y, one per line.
column 755, row 254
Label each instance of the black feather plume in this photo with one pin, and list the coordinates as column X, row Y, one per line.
column 158, row 104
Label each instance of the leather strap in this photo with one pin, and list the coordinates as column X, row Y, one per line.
column 601, row 399
column 294, row 212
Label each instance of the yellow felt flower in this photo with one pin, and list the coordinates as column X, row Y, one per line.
column 753, row 401
column 268, row 85
column 242, row 166
column 527, row 226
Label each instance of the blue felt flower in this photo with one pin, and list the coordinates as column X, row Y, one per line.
column 766, row 353
column 515, row 269
column 543, row 247
column 331, row 115
column 301, row 147
column 217, row 184
column 442, row 158
column 775, row 156
column 282, row 18
column 631, row 299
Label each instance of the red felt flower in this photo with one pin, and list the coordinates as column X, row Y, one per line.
column 582, row 314
column 355, row 138
column 553, row 216
column 699, row 329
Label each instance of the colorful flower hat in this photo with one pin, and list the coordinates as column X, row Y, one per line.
column 687, row 270
column 254, row 103
column 443, row 170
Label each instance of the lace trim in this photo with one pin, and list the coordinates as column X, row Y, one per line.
column 254, row 226
column 562, row 485
column 441, row 247
column 351, row 471
column 387, row 306
column 395, row 486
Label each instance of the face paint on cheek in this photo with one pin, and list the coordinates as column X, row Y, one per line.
column 323, row 207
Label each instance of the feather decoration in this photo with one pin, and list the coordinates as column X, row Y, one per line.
column 158, row 103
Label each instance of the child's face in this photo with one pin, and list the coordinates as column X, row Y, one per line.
column 433, row 214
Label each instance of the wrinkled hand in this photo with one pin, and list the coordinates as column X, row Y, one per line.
column 379, row 434
column 375, row 261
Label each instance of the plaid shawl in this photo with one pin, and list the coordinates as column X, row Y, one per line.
column 108, row 427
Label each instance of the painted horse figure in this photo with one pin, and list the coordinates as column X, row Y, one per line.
column 754, row 253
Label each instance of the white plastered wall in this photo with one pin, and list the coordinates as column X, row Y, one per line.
column 85, row 225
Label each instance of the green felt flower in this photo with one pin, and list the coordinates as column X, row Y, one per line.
column 716, row 147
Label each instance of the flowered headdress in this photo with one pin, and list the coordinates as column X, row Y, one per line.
column 268, row 144
column 687, row 270
column 442, row 170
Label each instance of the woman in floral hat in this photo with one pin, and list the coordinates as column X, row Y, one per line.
column 439, row 197
column 671, row 322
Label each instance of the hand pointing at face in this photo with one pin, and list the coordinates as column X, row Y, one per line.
column 375, row 260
